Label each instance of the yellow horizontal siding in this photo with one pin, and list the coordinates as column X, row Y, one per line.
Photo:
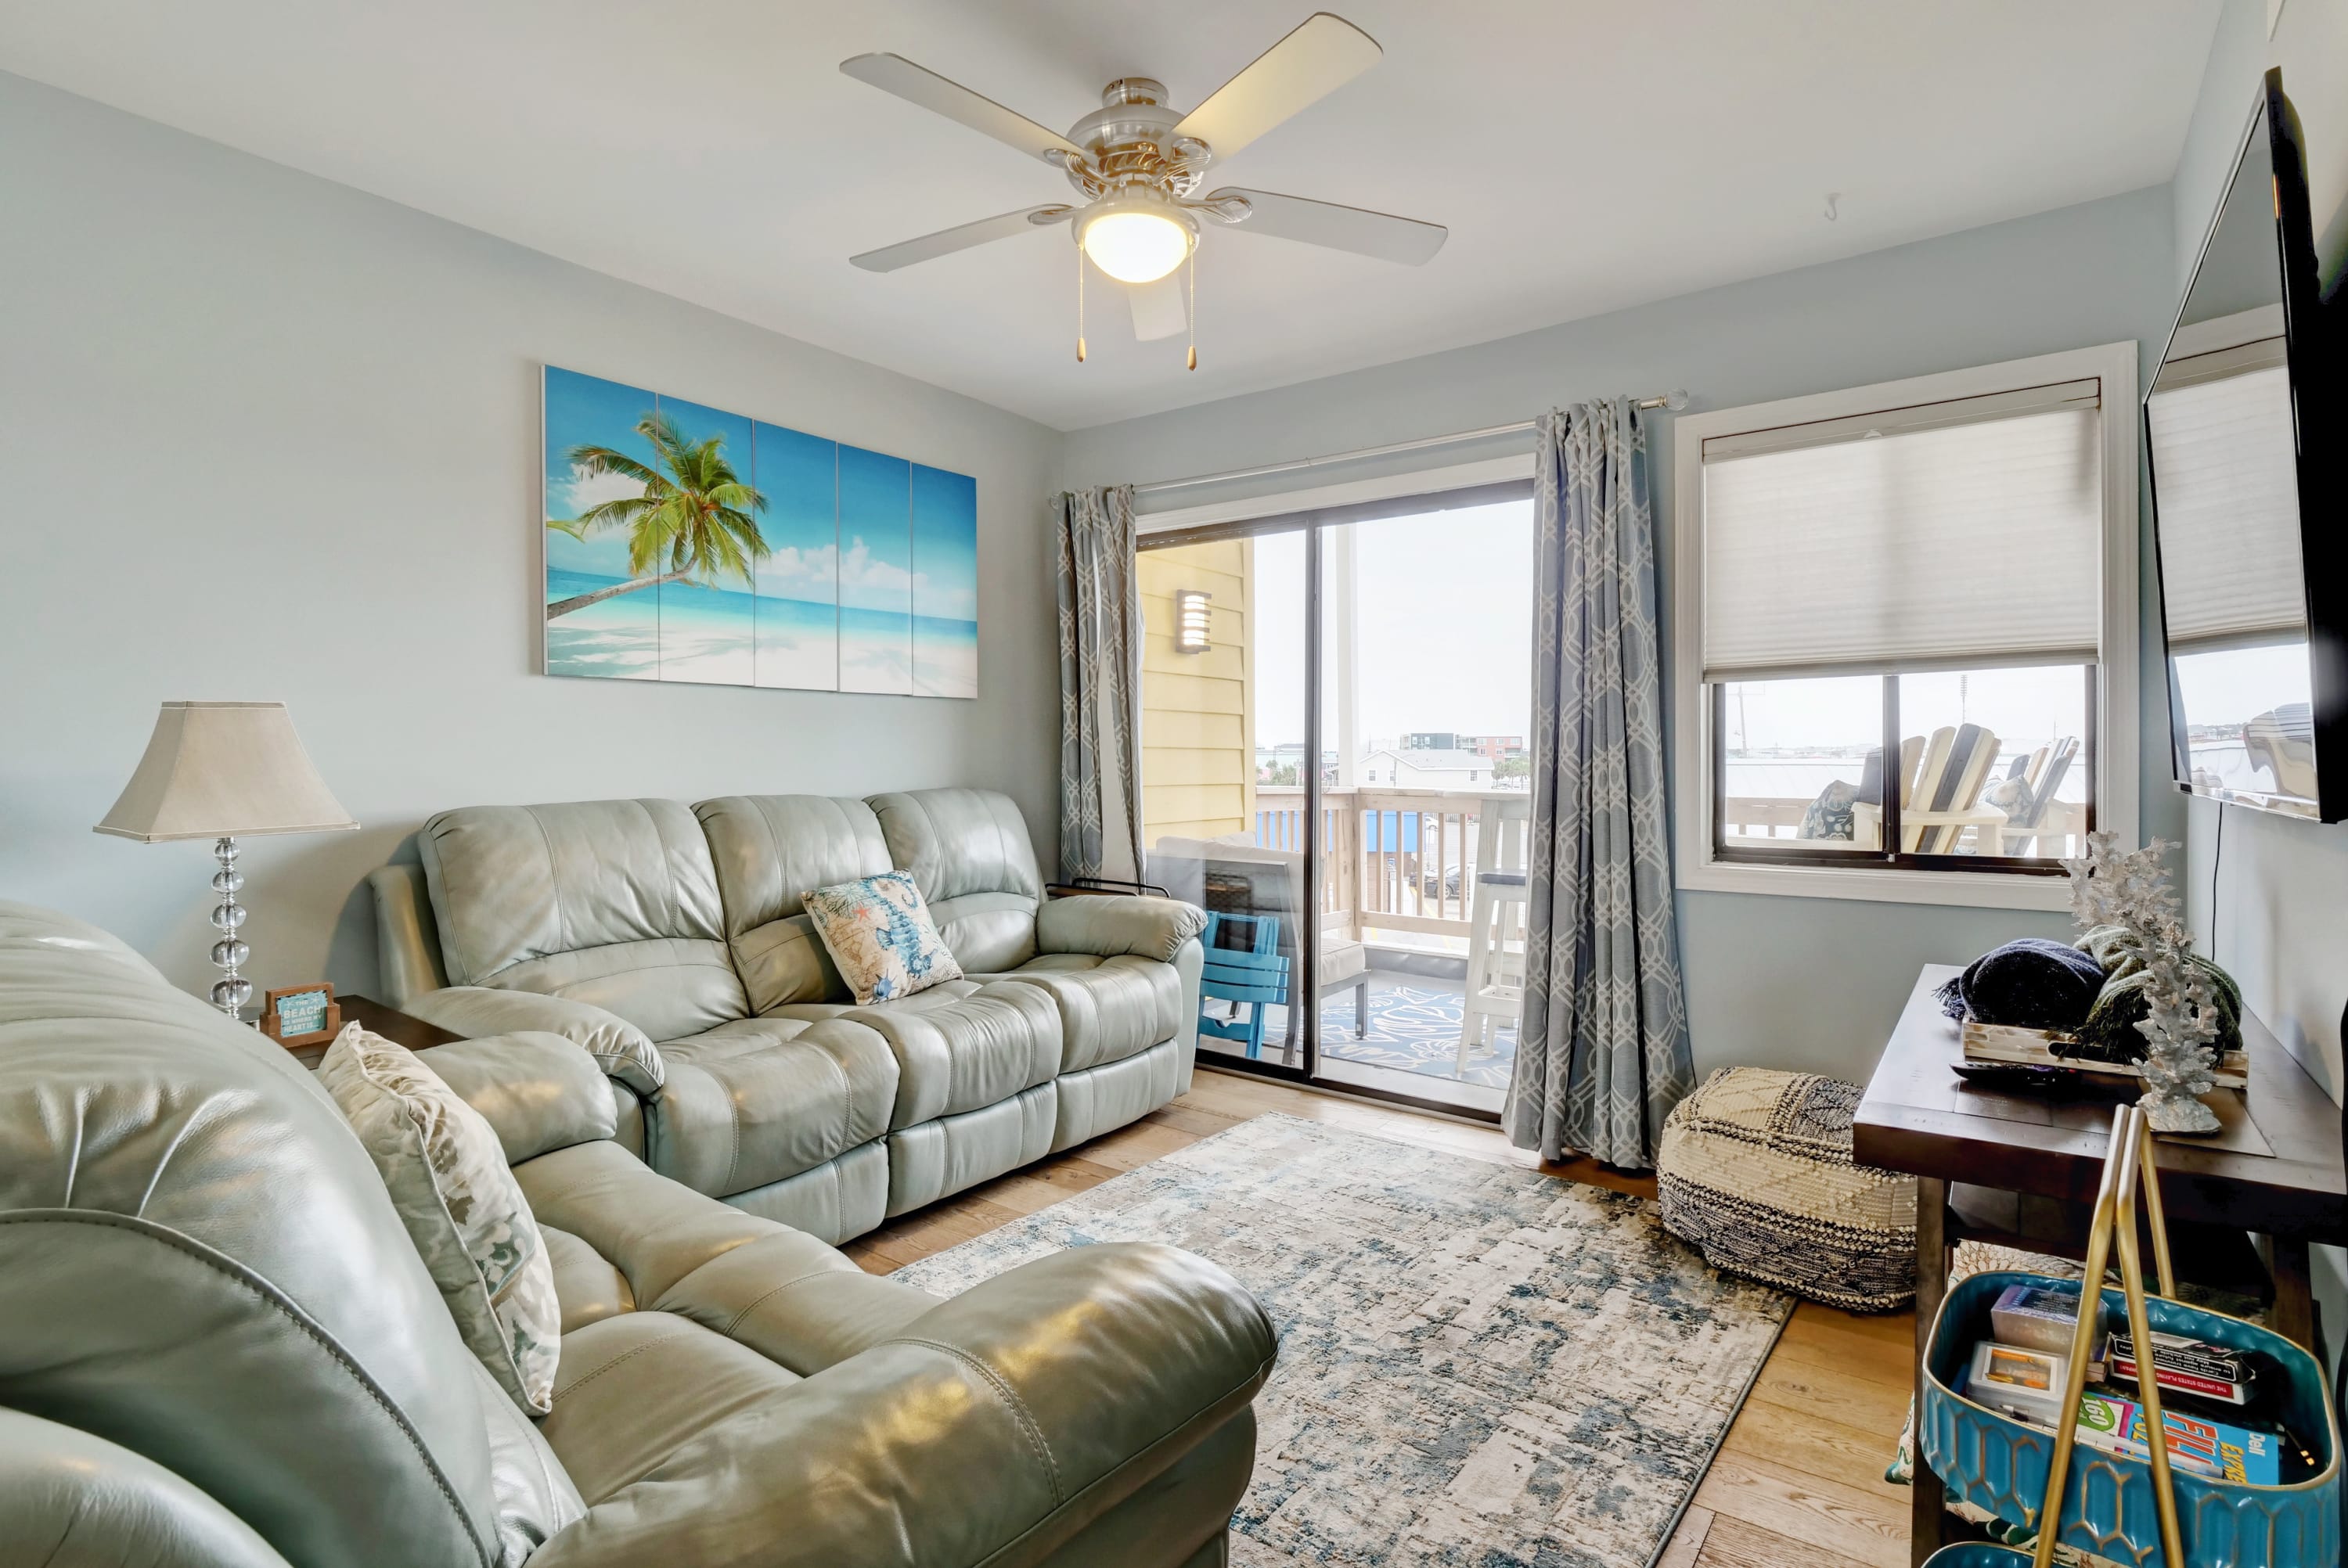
column 1193, row 693
column 1197, row 769
column 1189, row 727
column 1192, row 765
column 1209, row 827
column 1191, row 802
column 1223, row 661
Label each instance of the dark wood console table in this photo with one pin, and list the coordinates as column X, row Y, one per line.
column 1920, row 1117
column 389, row 1022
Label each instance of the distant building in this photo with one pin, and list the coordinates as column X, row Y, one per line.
column 1285, row 761
column 1426, row 767
column 1491, row 748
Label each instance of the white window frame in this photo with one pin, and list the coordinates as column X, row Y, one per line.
column 2116, row 766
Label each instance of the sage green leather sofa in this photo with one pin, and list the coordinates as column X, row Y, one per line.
column 220, row 1350
column 671, row 942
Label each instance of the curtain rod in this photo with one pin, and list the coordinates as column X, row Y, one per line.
column 1673, row 400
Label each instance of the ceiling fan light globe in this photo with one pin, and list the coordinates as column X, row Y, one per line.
column 1135, row 246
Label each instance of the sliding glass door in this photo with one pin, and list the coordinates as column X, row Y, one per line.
column 1336, row 772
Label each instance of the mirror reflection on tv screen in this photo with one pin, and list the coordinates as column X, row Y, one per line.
column 2223, row 456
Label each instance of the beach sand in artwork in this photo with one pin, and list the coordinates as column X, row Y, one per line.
column 685, row 632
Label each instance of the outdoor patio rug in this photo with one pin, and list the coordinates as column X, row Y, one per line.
column 1415, row 1028
column 1480, row 1366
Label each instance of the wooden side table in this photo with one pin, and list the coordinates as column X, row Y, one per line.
column 387, row 1021
column 1920, row 1117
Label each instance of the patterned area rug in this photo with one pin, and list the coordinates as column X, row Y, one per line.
column 1480, row 1367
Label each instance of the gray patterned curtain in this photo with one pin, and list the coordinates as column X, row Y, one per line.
column 1603, row 1052
column 1100, row 681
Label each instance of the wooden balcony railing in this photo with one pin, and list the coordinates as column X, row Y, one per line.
column 1404, row 859
column 1392, row 859
column 1760, row 819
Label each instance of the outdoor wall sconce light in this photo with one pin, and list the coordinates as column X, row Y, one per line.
column 1191, row 620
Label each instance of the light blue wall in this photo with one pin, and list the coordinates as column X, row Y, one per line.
column 1803, row 983
column 269, row 438
column 2269, row 895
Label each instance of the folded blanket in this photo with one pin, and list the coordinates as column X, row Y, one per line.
column 2110, row 1032
column 2034, row 983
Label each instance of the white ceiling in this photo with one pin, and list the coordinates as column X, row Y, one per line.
column 1586, row 156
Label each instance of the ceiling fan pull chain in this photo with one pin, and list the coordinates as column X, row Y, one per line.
column 1080, row 304
column 1194, row 304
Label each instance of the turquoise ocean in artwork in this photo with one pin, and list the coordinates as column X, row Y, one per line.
column 729, row 637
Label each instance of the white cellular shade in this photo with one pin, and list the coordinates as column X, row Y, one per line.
column 1931, row 545
column 2223, row 474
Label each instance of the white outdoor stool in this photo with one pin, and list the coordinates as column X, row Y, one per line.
column 1496, row 925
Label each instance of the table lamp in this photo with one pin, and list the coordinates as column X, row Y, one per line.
column 223, row 771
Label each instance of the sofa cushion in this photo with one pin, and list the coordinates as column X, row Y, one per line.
column 958, row 1046
column 646, row 1241
column 610, row 902
column 756, row 1099
column 968, row 851
column 587, row 1284
column 447, row 1174
column 880, row 935
column 1110, row 1009
column 635, row 1389
column 768, row 850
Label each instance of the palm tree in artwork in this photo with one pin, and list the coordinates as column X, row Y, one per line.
column 694, row 522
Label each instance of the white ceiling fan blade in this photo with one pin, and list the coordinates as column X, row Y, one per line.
column 1162, row 309
column 1363, row 233
column 918, row 85
column 1320, row 56
column 946, row 242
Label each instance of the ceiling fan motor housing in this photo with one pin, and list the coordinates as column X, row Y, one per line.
column 1132, row 145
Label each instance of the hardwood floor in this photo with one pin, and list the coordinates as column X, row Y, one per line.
column 1798, row 1483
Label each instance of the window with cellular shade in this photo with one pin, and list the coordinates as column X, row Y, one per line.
column 1956, row 535
column 2224, row 469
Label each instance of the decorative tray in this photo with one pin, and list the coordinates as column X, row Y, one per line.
column 2036, row 1048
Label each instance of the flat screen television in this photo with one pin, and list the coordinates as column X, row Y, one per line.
column 2243, row 422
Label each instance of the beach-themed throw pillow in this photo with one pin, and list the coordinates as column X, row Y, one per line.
column 449, row 1179
column 879, row 933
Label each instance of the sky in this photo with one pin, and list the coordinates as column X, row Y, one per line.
column 1444, row 614
column 845, row 525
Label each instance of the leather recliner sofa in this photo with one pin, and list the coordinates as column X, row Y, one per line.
column 672, row 943
column 218, row 1348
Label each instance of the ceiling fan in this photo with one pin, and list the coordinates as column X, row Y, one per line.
column 1137, row 163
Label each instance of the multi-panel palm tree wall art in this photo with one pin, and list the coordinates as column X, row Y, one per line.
column 684, row 543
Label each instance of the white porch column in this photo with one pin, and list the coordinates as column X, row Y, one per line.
column 1342, row 651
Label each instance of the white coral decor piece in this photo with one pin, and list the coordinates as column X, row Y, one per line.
column 2109, row 889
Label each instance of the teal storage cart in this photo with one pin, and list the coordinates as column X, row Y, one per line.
column 2128, row 1509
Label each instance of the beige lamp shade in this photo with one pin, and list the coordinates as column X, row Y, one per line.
column 224, row 770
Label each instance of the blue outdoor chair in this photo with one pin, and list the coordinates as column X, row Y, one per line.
column 1256, row 976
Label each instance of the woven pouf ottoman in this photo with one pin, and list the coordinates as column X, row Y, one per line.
column 1755, row 1171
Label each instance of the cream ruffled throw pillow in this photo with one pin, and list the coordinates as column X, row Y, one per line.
column 448, row 1180
column 879, row 933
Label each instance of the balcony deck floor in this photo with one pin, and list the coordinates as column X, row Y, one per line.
column 1414, row 1028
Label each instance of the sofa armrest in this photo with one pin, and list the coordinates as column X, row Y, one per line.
column 1107, row 926
column 407, row 942
column 989, row 1429
column 75, row 1499
column 621, row 1049
column 539, row 1091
